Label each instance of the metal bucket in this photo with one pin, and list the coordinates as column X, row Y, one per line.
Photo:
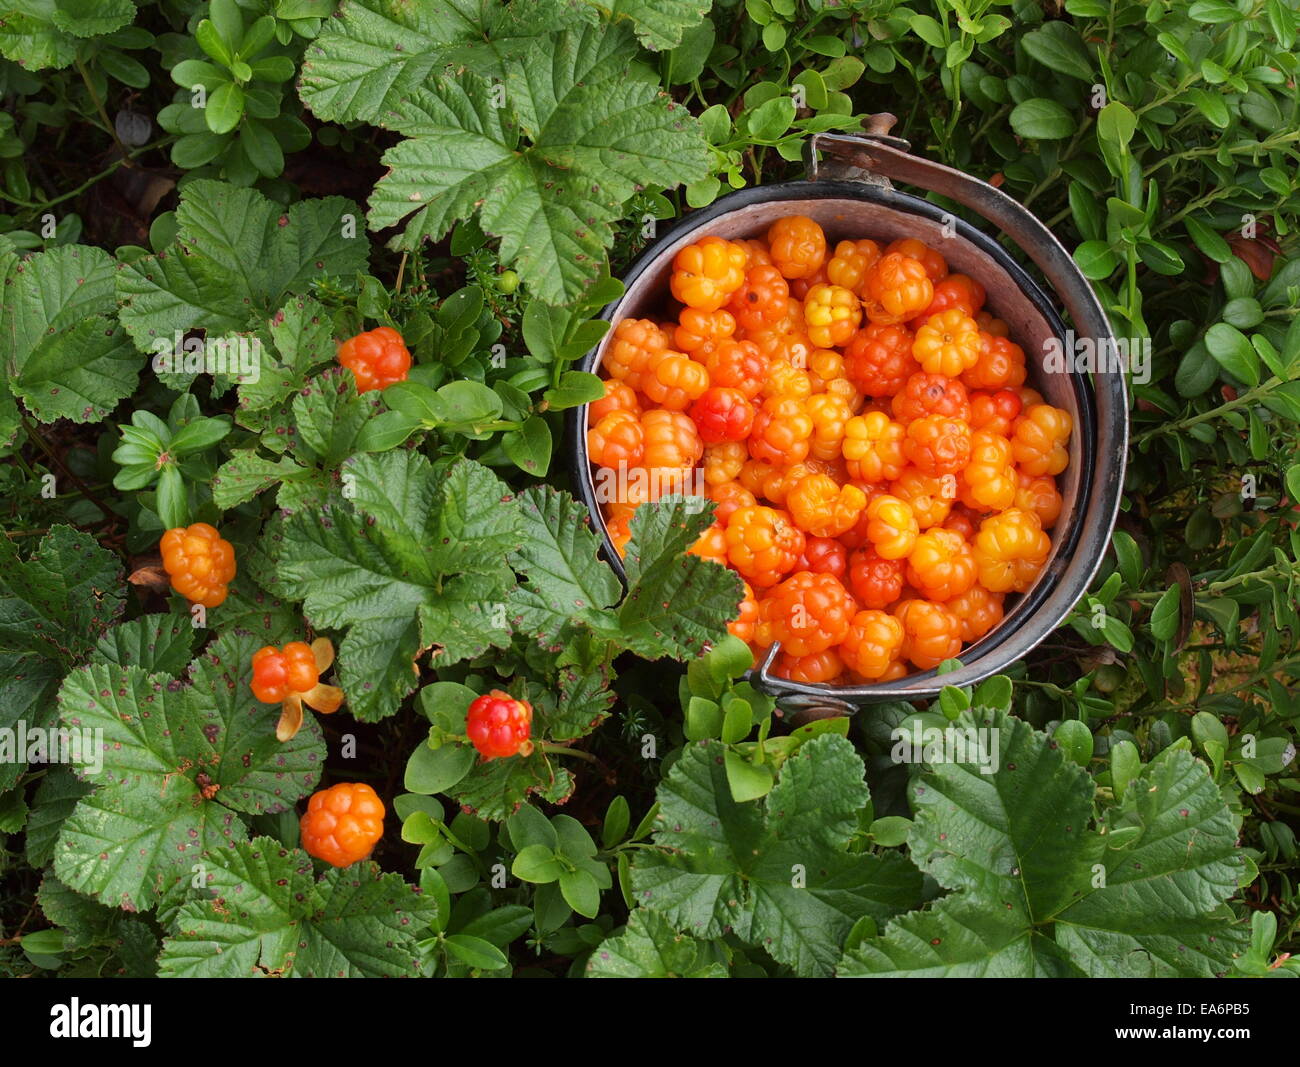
column 850, row 193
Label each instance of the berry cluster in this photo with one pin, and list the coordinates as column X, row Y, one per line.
column 883, row 476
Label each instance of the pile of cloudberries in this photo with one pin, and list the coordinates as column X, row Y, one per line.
column 883, row 475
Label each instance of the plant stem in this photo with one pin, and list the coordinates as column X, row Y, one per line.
column 44, row 445
column 1245, row 399
column 99, row 106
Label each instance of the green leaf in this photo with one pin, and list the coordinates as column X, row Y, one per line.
column 86, row 924
column 1042, row 119
column 1207, row 240
column 474, row 951
column 1096, row 259
column 63, row 353
column 1116, row 124
column 352, row 923
column 776, row 872
column 1058, row 46
column 1033, row 890
column 563, row 577
column 649, row 947
column 238, row 257
column 529, row 448
column 1233, row 352
column 179, row 760
column 599, row 128
column 245, row 474
column 330, row 416
column 411, row 552
column 1166, row 614
column 225, row 108
column 430, row 770
column 676, row 602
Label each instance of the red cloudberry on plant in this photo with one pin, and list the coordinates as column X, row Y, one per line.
column 378, row 358
column 617, row 439
column 797, row 246
column 947, row 343
column 807, row 613
column 931, row 633
column 342, row 824
column 1010, row 551
column 290, row 677
column 831, row 314
column 763, row 544
column 706, row 273
column 722, row 414
column 941, row 566
column 875, row 581
column 499, row 725
column 200, row 562
column 874, row 641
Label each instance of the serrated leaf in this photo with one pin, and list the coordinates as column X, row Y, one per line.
column 378, row 566
column 86, row 923
column 1034, row 891
column 302, row 336
column 564, row 578
column 178, row 761
column 63, row 353
column 775, row 872
column 245, row 474
column 238, row 255
column 676, row 602
column 496, row 789
column 151, row 642
column 263, row 913
column 599, row 126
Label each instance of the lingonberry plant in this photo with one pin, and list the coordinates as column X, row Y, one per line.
column 299, row 604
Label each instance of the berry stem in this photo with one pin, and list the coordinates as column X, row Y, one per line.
column 565, row 750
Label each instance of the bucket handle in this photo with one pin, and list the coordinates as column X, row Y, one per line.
column 878, row 157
